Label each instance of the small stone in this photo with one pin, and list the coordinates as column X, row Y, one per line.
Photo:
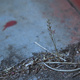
column 38, row 77
column 77, row 52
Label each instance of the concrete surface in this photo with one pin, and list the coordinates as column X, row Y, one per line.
column 31, row 17
column 75, row 4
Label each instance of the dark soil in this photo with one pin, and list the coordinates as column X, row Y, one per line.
column 38, row 71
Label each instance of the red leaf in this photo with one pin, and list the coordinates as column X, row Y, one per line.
column 9, row 24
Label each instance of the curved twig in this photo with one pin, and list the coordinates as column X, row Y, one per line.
column 73, row 70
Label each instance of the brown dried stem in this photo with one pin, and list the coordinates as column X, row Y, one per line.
column 52, row 36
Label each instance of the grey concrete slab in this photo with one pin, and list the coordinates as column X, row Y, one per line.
column 31, row 17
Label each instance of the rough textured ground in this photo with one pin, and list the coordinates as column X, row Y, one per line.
column 38, row 71
column 31, row 17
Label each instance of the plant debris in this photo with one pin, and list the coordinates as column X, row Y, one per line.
column 45, row 60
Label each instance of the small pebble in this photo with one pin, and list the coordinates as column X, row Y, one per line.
column 77, row 52
column 38, row 77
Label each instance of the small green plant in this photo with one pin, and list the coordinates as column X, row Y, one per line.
column 51, row 33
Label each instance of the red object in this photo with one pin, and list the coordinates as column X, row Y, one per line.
column 9, row 24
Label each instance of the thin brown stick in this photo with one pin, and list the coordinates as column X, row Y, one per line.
column 49, row 51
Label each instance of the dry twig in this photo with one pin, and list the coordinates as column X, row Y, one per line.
column 62, row 63
column 42, row 47
column 73, row 70
column 49, row 51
